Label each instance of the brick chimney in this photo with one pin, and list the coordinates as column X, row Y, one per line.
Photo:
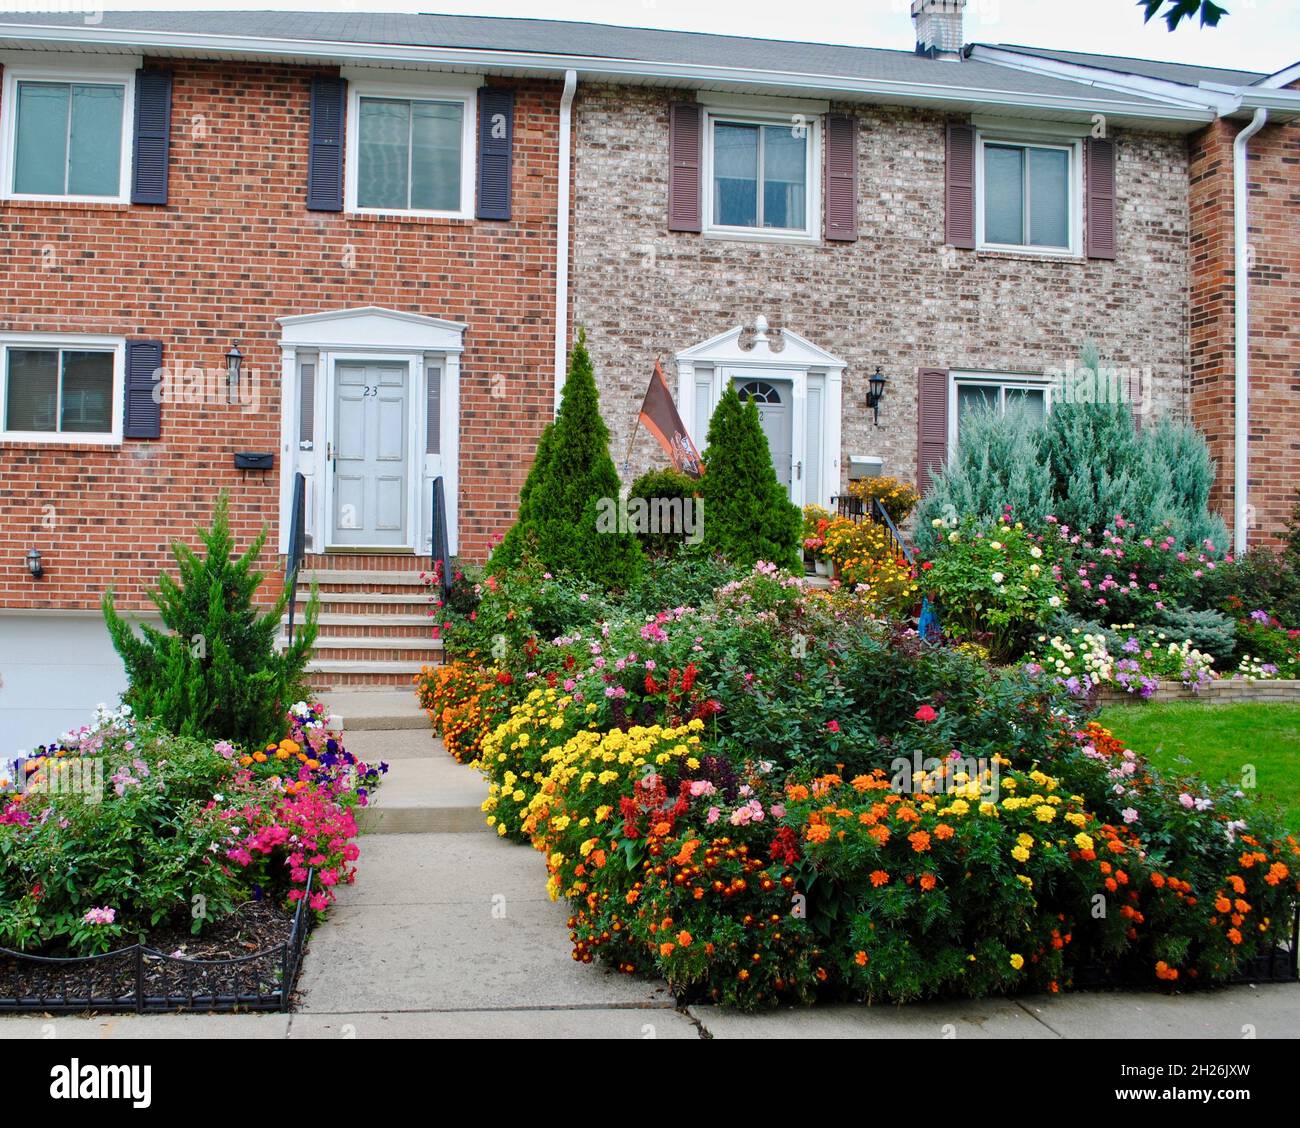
column 938, row 28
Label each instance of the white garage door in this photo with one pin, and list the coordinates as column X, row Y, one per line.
column 54, row 670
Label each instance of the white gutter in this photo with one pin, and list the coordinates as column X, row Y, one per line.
column 1241, row 398
column 595, row 67
column 562, row 232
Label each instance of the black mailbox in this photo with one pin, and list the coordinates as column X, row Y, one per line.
column 248, row 461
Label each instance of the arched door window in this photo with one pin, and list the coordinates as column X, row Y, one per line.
column 760, row 391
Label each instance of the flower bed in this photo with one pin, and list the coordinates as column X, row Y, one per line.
column 121, row 839
column 775, row 797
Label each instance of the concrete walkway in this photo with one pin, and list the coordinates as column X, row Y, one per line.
column 448, row 933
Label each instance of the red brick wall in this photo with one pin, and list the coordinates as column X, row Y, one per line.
column 1274, row 178
column 235, row 249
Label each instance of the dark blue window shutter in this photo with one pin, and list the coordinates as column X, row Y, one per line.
column 325, row 155
column 142, row 414
column 496, row 134
column 153, row 127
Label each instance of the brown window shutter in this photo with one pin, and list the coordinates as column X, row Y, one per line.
column 685, row 129
column 841, row 177
column 931, row 424
column 959, row 188
column 1100, row 217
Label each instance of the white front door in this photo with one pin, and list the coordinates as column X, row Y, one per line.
column 774, row 400
column 369, row 456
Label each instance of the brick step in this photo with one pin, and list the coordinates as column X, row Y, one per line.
column 376, row 611
column 376, row 619
column 354, row 601
column 370, row 561
column 348, row 578
column 414, row 648
column 414, row 635
column 331, row 682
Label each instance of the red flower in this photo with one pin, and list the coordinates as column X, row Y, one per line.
column 785, row 846
column 926, row 713
column 834, row 726
column 927, row 566
column 504, row 678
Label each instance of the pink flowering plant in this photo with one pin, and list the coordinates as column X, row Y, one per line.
column 1127, row 573
column 120, row 829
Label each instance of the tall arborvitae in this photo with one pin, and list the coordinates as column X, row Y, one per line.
column 748, row 516
column 215, row 671
column 571, row 523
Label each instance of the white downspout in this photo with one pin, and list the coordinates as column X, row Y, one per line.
column 562, row 233
column 1241, row 394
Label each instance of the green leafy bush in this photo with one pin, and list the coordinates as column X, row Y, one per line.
column 748, row 515
column 994, row 584
column 215, row 671
column 667, row 499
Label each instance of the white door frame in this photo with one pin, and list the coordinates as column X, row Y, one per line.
column 414, row 443
column 721, row 358
column 381, row 336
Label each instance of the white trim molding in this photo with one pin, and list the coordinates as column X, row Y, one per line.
column 27, row 66
column 425, row 345
column 811, row 124
column 404, row 85
column 1072, row 144
column 704, row 369
column 116, row 346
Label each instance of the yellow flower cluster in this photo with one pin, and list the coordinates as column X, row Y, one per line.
column 584, row 781
column 898, row 498
column 867, row 559
column 511, row 754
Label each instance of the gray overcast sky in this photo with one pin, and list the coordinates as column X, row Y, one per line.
column 1261, row 35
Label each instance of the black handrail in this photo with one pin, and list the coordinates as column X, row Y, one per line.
column 297, row 544
column 880, row 515
column 439, row 542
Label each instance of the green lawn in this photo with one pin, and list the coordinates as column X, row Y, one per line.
column 1218, row 741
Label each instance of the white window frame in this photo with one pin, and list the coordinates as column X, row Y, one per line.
column 1004, row 382
column 811, row 232
column 64, row 342
column 1074, row 147
column 411, row 87
column 20, row 67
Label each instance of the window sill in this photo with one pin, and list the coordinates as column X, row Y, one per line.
column 1068, row 257
column 64, row 202
column 762, row 237
column 20, row 442
column 411, row 217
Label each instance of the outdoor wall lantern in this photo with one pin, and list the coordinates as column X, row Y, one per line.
column 234, row 360
column 876, row 393
column 34, row 563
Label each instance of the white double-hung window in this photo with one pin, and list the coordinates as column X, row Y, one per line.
column 66, row 129
column 761, row 174
column 61, row 388
column 1029, row 194
column 410, row 147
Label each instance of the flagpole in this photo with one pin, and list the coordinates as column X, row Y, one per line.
column 636, row 427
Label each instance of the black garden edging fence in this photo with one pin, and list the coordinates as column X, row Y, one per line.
column 141, row 980
column 1274, row 965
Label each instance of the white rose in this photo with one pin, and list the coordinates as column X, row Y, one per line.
column 995, row 544
column 998, row 577
column 1055, row 601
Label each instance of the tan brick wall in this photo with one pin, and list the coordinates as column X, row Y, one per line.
column 234, row 250
column 1274, row 180
column 892, row 298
